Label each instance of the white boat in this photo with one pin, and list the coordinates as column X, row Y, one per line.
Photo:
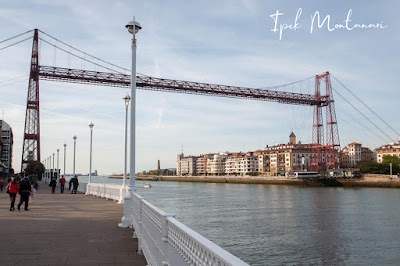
column 147, row 185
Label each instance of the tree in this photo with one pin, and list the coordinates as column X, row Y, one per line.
column 394, row 160
column 35, row 168
column 370, row 167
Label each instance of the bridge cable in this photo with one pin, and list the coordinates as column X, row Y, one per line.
column 359, row 122
column 15, row 43
column 287, row 84
column 70, row 46
column 384, row 133
column 372, row 111
column 15, row 36
column 82, row 58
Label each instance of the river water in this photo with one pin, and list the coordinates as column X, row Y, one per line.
column 287, row 225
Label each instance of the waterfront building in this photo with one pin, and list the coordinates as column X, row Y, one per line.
column 241, row 164
column 282, row 158
column 367, row 154
column 232, row 163
column 216, row 163
column 186, row 165
column 201, row 164
column 392, row 148
column 351, row 154
column 249, row 164
column 6, row 149
column 354, row 153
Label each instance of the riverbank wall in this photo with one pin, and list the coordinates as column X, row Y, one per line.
column 368, row 180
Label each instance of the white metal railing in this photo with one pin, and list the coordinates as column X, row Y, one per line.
column 162, row 239
column 108, row 191
column 166, row 241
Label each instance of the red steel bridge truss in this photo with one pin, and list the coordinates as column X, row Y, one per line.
column 325, row 155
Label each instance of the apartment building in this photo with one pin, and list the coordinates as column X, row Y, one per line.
column 241, row 164
column 351, row 154
column 6, row 148
column 354, row 153
column 282, row 158
column 232, row 163
column 216, row 163
column 367, row 154
column 249, row 164
column 186, row 165
column 392, row 148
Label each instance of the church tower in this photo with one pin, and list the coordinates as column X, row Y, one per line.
column 292, row 138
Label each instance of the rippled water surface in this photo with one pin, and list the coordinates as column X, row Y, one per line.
column 275, row 225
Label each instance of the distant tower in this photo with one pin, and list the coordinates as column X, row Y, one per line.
column 158, row 165
column 31, row 143
column 292, row 138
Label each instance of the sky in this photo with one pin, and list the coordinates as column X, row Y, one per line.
column 221, row 42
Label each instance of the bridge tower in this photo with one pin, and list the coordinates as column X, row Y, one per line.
column 31, row 143
column 325, row 155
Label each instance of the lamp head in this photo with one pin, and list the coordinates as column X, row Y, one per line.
column 74, row 137
column 91, row 125
column 58, row 150
column 127, row 98
column 132, row 24
column 65, row 145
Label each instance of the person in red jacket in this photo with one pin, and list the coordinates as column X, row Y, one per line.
column 13, row 189
column 63, row 181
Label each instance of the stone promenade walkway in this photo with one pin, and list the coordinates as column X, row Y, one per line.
column 65, row 229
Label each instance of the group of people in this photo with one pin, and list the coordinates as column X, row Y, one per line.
column 73, row 182
column 25, row 188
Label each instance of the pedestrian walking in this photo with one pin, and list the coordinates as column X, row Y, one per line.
column 25, row 191
column 53, row 184
column 1, row 184
column 33, row 192
column 62, row 184
column 12, row 189
column 75, row 183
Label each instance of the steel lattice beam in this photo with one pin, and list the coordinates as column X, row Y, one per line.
column 168, row 85
column 31, row 143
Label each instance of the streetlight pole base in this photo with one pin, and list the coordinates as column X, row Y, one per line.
column 126, row 221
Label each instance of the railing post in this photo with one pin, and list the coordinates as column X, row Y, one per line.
column 138, row 230
column 121, row 195
column 87, row 189
column 165, row 244
column 126, row 221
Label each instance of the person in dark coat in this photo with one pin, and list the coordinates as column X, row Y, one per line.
column 25, row 191
column 53, row 184
column 1, row 184
column 74, row 182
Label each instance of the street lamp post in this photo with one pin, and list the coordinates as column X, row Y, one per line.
column 90, row 162
column 58, row 165
column 74, row 138
column 49, row 167
column 53, row 166
column 126, row 98
column 45, row 172
column 65, row 149
column 133, row 27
